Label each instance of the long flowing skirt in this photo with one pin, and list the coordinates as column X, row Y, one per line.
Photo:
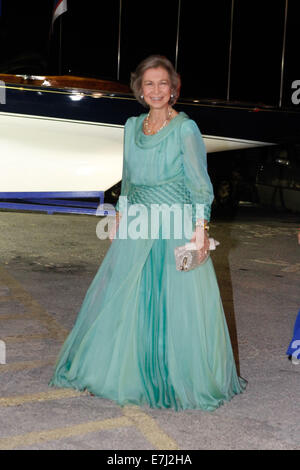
column 149, row 334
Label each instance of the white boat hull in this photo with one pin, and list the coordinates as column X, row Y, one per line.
column 51, row 154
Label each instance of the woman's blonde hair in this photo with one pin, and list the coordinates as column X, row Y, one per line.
column 155, row 61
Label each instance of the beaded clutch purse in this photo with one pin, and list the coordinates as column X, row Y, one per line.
column 188, row 258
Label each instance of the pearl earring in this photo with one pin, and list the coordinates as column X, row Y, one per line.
column 142, row 97
column 172, row 96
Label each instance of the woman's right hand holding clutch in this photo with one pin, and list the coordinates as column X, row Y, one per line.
column 201, row 237
column 115, row 227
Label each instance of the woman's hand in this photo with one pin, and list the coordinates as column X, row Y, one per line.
column 115, row 227
column 201, row 238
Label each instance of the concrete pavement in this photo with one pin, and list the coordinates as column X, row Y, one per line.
column 46, row 265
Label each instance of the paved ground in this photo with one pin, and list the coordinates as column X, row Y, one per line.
column 46, row 264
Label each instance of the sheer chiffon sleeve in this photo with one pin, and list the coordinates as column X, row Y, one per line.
column 125, row 185
column 195, row 167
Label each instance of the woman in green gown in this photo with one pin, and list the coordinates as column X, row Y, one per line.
column 147, row 333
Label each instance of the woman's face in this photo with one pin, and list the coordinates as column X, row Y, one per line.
column 156, row 88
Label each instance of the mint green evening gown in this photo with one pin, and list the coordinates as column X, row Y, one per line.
column 147, row 333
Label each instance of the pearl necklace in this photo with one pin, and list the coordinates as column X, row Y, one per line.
column 146, row 122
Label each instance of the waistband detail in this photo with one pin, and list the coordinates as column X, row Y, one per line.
column 166, row 193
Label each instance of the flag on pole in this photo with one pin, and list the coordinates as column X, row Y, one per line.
column 60, row 7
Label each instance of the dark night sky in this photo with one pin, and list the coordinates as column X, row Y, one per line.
column 90, row 32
